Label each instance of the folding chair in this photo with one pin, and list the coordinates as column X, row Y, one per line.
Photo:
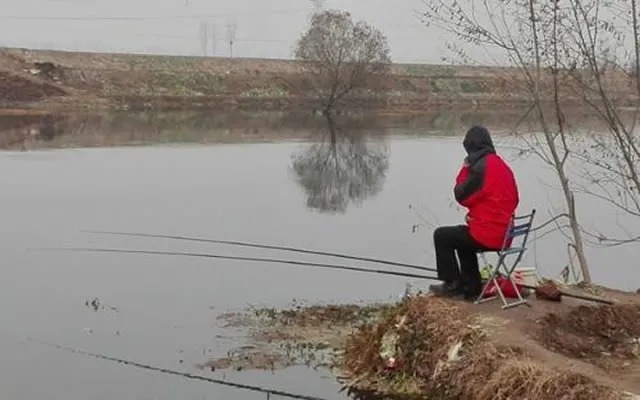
column 517, row 229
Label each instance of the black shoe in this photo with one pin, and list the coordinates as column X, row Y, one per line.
column 471, row 293
column 471, row 297
column 447, row 289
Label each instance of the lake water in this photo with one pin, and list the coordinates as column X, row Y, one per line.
column 237, row 184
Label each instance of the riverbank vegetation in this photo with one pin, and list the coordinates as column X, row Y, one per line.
column 429, row 346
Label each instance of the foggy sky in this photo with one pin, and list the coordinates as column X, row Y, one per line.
column 263, row 28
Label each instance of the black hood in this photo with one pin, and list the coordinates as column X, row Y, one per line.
column 477, row 142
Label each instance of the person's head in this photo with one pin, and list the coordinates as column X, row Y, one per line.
column 477, row 143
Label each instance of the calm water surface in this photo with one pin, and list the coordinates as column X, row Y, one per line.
column 353, row 197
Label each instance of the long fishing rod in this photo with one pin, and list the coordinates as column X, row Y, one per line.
column 238, row 258
column 181, row 374
column 268, row 246
column 299, row 263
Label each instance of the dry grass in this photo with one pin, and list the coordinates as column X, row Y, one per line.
column 446, row 353
column 527, row 380
column 443, row 326
column 432, row 333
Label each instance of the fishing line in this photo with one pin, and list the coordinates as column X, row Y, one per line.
column 299, row 263
column 178, row 373
column 238, row 258
column 267, row 246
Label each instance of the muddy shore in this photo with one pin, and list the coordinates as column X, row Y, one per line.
column 62, row 81
column 451, row 349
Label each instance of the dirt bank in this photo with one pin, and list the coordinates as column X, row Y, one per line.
column 18, row 89
column 63, row 80
column 453, row 350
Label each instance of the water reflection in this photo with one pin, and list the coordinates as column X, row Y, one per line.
column 31, row 131
column 170, row 321
column 344, row 166
column 47, row 130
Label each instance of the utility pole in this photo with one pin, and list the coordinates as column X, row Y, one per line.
column 231, row 36
column 213, row 39
column 203, row 37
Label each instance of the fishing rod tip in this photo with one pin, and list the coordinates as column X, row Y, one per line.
column 30, row 249
column 93, row 231
column 46, row 248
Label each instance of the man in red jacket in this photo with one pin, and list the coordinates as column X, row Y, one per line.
column 485, row 186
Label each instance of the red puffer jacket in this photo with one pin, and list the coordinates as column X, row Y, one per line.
column 486, row 186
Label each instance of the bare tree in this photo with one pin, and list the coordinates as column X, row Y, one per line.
column 527, row 34
column 231, row 36
column 341, row 55
column 603, row 44
column 318, row 5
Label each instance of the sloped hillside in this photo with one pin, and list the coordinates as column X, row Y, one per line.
column 15, row 88
column 70, row 80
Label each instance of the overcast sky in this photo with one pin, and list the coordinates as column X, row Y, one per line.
column 263, row 28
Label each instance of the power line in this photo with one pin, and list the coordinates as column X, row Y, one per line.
column 213, row 38
column 129, row 18
column 245, row 39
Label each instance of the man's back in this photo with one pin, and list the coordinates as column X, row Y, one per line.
column 497, row 201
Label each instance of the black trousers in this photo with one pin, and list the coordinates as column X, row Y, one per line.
column 449, row 240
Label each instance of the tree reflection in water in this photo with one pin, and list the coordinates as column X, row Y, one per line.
column 341, row 168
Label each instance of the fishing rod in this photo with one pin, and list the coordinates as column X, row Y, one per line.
column 268, row 246
column 238, row 258
column 187, row 375
column 300, row 263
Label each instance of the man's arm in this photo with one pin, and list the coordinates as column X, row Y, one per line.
column 469, row 183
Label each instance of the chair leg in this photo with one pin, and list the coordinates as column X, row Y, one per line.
column 520, row 300
column 481, row 298
column 509, row 274
column 492, row 272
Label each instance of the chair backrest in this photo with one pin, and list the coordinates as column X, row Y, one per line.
column 520, row 226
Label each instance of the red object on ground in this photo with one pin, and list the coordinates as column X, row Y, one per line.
column 548, row 292
column 507, row 288
column 392, row 364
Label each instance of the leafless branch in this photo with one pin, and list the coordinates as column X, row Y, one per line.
column 342, row 55
column 551, row 221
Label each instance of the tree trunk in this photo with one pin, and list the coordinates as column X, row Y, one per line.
column 558, row 162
